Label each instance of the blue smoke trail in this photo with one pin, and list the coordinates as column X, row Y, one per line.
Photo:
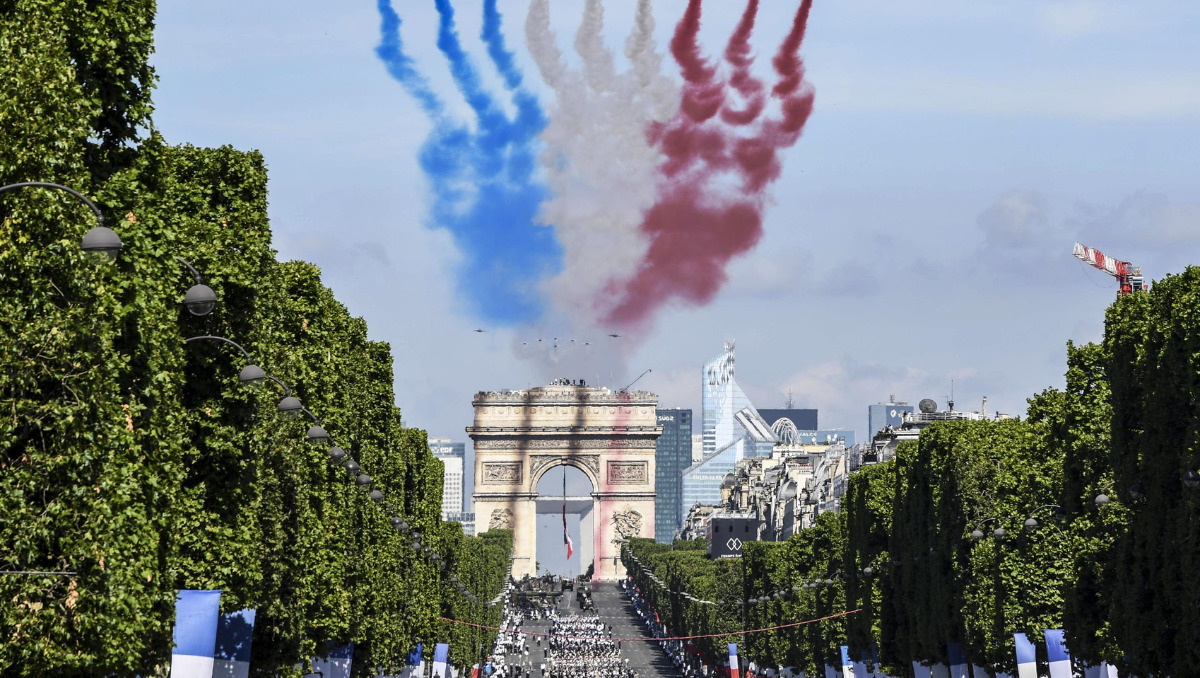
column 484, row 191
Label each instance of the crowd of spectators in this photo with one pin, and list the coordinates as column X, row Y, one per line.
column 687, row 663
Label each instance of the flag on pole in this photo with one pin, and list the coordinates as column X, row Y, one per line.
column 1056, row 652
column 1026, row 657
column 733, row 661
column 958, row 661
column 567, row 535
column 847, row 665
column 196, row 615
column 441, row 652
column 416, row 662
column 336, row 665
column 234, row 633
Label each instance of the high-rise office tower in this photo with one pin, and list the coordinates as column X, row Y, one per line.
column 672, row 454
column 733, row 430
column 451, row 455
column 721, row 401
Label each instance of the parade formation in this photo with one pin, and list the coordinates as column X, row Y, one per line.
column 547, row 633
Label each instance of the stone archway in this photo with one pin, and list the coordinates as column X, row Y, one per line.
column 610, row 436
column 557, row 499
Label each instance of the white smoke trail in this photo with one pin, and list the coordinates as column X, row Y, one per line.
column 541, row 45
column 647, row 64
column 600, row 168
column 598, row 66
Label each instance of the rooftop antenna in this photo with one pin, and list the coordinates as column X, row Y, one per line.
column 791, row 402
column 636, row 380
column 950, row 398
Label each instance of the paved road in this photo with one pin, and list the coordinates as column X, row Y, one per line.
column 614, row 608
column 646, row 658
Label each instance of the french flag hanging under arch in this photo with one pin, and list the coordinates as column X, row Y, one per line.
column 567, row 535
column 733, row 661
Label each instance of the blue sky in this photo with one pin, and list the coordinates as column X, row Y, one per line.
column 921, row 231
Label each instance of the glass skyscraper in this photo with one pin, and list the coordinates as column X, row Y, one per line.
column 733, row 430
column 672, row 454
column 722, row 400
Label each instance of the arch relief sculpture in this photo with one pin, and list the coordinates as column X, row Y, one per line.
column 502, row 519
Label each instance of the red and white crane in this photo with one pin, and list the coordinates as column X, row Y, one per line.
column 1129, row 277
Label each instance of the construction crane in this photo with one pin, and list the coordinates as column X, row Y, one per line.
column 1129, row 277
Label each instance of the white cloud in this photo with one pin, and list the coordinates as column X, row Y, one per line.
column 1080, row 18
column 1139, row 220
column 1017, row 218
column 841, row 388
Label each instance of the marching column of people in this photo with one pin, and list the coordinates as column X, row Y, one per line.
column 583, row 647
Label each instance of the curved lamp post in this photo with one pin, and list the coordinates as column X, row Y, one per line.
column 100, row 240
column 199, row 299
column 251, row 373
column 1032, row 522
column 998, row 533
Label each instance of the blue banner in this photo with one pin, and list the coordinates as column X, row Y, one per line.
column 1026, row 657
column 196, row 617
column 441, row 653
column 232, row 656
column 1056, row 652
column 336, row 664
column 958, row 661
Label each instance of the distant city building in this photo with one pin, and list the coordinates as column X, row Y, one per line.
column 882, row 415
column 672, row 454
column 882, row 446
column 467, row 520
column 697, row 447
column 770, row 499
column 804, row 420
column 787, row 435
column 722, row 399
column 702, row 480
column 451, row 455
column 733, row 430
column 727, row 533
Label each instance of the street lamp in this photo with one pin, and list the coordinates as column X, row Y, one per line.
column 101, row 241
column 1102, row 499
column 199, row 299
column 998, row 533
column 251, row 373
column 1032, row 522
column 1191, row 479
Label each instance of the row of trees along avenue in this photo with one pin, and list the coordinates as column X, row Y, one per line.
column 1119, row 576
column 141, row 463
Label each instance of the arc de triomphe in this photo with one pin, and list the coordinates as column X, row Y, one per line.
column 610, row 436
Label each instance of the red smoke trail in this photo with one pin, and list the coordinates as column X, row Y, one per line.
column 699, row 224
column 737, row 54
